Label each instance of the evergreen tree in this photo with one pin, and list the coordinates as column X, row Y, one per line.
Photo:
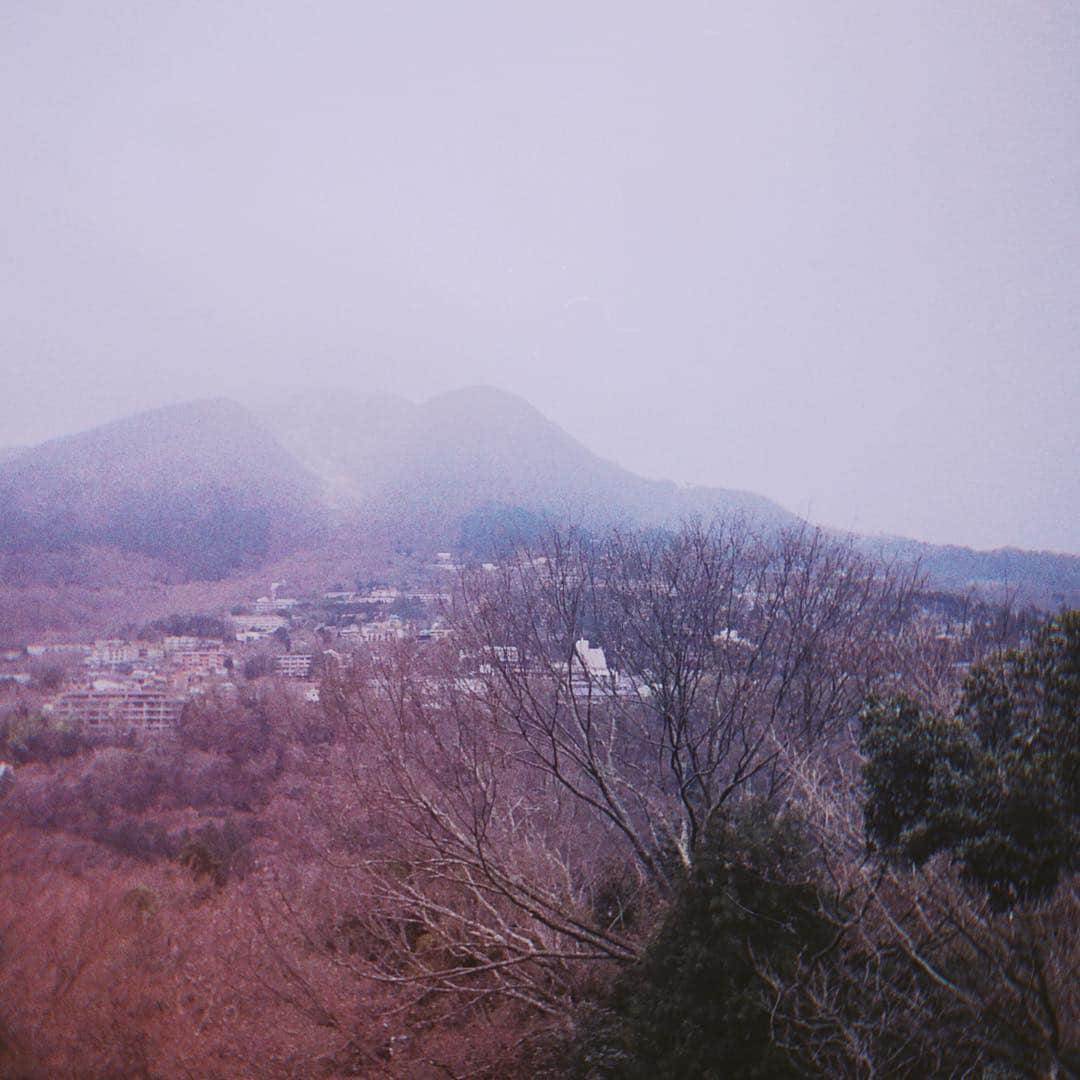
column 694, row 1006
column 997, row 786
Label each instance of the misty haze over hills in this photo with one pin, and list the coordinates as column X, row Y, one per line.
column 539, row 541
column 210, row 486
column 459, row 450
column 822, row 252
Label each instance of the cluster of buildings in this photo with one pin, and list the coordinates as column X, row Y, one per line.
column 256, row 627
column 386, row 594
column 381, row 630
column 118, row 685
column 140, row 686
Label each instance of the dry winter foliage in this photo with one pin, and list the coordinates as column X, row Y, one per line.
column 534, row 810
column 435, row 872
column 924, row 975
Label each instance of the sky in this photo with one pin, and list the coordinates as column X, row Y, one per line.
column 828, row 252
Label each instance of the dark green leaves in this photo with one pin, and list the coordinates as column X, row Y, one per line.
column 996, row 785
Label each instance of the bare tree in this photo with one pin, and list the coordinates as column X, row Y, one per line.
column 718, row 647
column 517, row 806
column 925, row 975
column 471, row 876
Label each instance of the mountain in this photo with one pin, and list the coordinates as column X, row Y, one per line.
column 438, row 461
column 486, row 458
column 1048, row 579
column 202, row 486
column 209, row 488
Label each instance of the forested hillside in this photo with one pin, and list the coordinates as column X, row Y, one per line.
column 201, row 488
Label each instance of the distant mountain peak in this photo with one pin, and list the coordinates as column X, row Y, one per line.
column 435, row 462
column 483, row 396
column 201, row 484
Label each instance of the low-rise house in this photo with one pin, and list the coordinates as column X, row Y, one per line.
column 112, row 651
column 189, row 643
column 590, row 660
column 731, row 638
column 255, row 627
column 428, row 597
column 499, row 658
column 267, row 605
column 204, row 662
column 589, row 675
column 381, row 596
column 391, row 629
column 61, row 647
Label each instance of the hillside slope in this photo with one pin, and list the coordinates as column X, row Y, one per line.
column 1048, row 579
column 436, row 462
column 202, row 486
column 204, row 490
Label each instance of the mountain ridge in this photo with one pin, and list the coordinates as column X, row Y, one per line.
column 479, row 444
column 201, row 486
column 212, row 485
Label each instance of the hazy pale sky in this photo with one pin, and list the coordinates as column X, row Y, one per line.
column 825, row 251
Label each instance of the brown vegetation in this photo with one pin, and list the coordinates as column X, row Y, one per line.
column 466, row 862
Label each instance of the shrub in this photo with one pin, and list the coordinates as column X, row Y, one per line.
column 215, row 851
column 27, row 737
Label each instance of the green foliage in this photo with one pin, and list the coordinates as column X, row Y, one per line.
column 997, row 786
column 29, row 736
column 255, row 667
column 694, row 1005
column 916, row 762
column 216, row 851
column 1028, row 701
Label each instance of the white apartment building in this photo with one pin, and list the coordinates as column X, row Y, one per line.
column 114, row 711
column 294, row 665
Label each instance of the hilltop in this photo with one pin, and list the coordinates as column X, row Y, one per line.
column 428, row 465
column 202, row 487
column 210, row 489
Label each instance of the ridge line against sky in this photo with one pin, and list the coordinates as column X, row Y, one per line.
column 265, row 408
column 825, row 254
